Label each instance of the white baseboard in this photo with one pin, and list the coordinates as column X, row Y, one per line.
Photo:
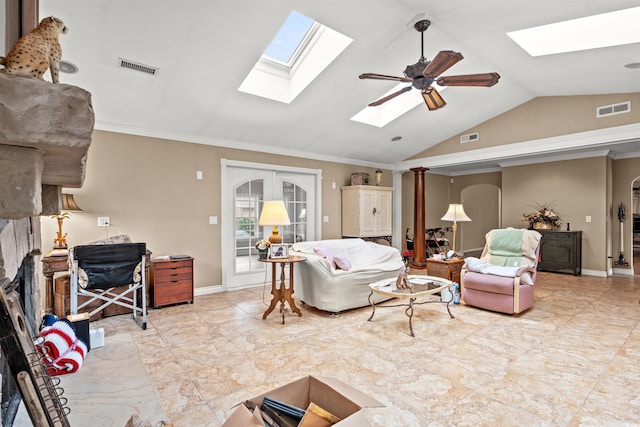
column 207, row 290
column 623, row 271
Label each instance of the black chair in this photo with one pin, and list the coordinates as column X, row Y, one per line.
column 98, row 269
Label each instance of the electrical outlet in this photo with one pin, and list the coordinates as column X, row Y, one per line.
column 213, row 220
column 104, row 221
column 588, row 219
column 325, row 218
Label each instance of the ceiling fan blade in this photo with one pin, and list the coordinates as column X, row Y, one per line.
column 485, row 79
column 444, row 60
column 432, row 98
column 384, row 77
column 388, row 97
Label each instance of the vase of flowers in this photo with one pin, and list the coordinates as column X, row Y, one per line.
column 544, row 218
column 263, row 248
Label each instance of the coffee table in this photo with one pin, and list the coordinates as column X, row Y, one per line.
column 421, row 286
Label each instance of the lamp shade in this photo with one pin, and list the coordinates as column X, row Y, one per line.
column 455, row 213
column 274, row 213
column 68, row 204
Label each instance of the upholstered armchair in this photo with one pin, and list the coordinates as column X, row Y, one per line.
column 503, row 278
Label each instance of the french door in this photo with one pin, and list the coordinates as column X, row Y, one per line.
column 245, row 188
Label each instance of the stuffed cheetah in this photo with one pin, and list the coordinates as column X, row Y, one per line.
column 35, row 52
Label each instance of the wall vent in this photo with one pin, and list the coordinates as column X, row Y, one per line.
column 136, row 66
column 609, row 110
column 469, row 137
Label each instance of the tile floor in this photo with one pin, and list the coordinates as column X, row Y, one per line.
column 572, row 360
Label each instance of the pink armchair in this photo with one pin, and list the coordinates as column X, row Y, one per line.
column 503, row 278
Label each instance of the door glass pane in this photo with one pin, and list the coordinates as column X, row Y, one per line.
column 295, row 198
column 248, row 204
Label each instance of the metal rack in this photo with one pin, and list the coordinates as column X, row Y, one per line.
column 41, row 393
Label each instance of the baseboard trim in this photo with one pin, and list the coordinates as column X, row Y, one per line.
column 623, row 271
column 595, row 273
column 208, row 290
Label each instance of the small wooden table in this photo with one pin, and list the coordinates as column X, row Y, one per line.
column 447, row 269
column 282, row 293
column 50, row 266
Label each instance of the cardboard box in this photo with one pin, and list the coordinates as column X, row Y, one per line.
column 331, row 394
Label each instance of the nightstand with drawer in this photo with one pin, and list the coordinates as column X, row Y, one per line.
column 171, row 281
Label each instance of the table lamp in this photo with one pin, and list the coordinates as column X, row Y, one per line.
column 274, row 213
column 68, row 204
column 455, row 213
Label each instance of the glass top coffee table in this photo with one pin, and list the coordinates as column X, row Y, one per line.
column 421, row 286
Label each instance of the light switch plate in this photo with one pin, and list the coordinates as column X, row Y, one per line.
column 213, row 220
column 104, row 221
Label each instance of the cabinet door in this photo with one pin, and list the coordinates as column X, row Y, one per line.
column 384, row 216
column 368, row 212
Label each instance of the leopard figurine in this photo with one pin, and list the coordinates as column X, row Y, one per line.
column 37, row 51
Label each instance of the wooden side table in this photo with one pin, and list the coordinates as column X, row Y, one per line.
column 282, row 293
column 447, row 269
column 50, row 266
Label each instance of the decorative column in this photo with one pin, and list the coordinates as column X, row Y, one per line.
column 419, row 255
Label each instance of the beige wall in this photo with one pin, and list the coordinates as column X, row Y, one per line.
column 542, row 118
column 148, row 188
column 575, row 189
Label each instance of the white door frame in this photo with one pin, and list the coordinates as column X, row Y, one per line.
column 226, row 257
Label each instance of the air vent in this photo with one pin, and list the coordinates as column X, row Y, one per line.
column 609, row 110
column 136, row 66
column 469, row 137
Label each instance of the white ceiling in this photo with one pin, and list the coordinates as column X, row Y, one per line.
column 204, row 50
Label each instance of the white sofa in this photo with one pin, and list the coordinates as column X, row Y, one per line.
column 320, row 285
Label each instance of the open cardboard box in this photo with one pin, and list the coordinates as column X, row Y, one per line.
column 331, row 394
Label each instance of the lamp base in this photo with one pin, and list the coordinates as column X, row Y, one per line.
column 275, row 237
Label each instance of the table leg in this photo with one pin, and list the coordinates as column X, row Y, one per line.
column 373, row 306
column 288, row 292
column 409, row 313
column 274, row 291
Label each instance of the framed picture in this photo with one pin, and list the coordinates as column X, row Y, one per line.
column 279, row 251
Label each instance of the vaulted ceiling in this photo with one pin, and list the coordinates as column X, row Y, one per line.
column 204, row 50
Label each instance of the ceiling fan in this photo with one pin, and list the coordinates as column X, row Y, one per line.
column 423, row 73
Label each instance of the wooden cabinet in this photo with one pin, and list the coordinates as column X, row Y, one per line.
column 366, row 211
column 561, row 251
column 447, row 269
column 171, row 281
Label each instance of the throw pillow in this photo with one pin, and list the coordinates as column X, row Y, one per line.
column 342, row 262
column 324, row 251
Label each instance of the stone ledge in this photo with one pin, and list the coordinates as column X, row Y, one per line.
column 57, row 119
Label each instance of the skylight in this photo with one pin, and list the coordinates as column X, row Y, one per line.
column 384, row 114
column 591, row 32
column 299, row 52
column 289, row 38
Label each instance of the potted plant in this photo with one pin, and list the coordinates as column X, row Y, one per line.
column 544, row 218
column 263, row 248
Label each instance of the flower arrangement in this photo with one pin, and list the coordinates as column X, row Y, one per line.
column 261, row 245
column 544, row 214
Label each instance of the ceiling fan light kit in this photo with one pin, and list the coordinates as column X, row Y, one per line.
column 424, row 73
column 433, row 99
